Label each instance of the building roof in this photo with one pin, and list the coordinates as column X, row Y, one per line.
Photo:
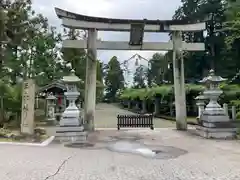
column 54, row 85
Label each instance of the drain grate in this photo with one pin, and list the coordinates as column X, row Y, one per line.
column 157, row 151
column 129, row 138
column 79, row 145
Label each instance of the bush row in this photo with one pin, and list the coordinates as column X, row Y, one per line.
column 165, row 93
column 230, row 92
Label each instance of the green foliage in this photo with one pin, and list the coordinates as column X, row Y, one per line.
column 10, row 98
column 157, row 69
column 238, row 115
column 146, row 93
column 140, row 77
column 30, row 48
column 163, row 91
column 232, row 25
column 77, row 59
column 198, row 63
column 114, row 79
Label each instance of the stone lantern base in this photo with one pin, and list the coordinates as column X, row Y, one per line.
column 70, row 128
column 216, row 133
column 71, row 134
column 214, row 123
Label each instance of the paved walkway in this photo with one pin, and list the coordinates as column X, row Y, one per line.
column 106, row 117
column 203, row 159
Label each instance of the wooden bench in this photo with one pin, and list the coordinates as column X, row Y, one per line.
column 134, row 121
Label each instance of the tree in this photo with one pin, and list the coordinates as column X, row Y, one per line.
column 232, row 40
column 100, row 86
column 21, row 22
column 114, row 79
column 168, row 72
column 157, row 69
column 32, row 51
column 232, row 24
column 197, row 64
column 29, row 49
column 140, row 77
column 47, row 64
column 77, row 59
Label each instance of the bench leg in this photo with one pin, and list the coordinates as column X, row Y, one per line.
column 152, row 128
column 118, row 128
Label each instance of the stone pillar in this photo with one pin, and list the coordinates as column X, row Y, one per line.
column 225, row 108
column 137, row 106
column 183, row 105
column 90, row 81
column 200, row 109
column 234, row 113
column 201, row 104
column 129, row 104
column 79, row 106
column 144, row 106
column 156, row 106
column 37, row 102
column 28, row 100
column 51, row 109
column 179, row 83
column 172, row 106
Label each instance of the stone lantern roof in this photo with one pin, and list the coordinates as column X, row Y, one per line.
column 51, row 97
column 212, row 78
column 200, row 97
column 72, row 78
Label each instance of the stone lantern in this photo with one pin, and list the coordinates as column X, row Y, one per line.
column 51, row 103
column 71, row 128
column 215, row 123
column 201, row 104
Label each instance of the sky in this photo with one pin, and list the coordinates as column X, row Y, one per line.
column 126, row 9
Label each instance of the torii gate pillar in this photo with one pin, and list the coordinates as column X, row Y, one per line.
column 179, row 82
column 90, row 80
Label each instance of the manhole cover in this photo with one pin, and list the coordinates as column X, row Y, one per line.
column 168, row 152
column 79, row 145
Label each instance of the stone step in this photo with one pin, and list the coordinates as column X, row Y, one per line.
column 72, row 136
column 62, row 129
column 216, row 133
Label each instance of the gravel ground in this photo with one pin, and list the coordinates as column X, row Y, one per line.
column 204, row 159
column 200, row 159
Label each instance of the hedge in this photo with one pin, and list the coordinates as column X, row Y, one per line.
column 231, row 92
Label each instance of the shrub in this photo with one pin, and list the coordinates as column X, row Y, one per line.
column 160, row 91
column 10, row 97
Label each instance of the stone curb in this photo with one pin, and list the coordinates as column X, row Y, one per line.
column 43, row 144
column 189, row 127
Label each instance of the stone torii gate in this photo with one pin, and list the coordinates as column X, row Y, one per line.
column 136, row 29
